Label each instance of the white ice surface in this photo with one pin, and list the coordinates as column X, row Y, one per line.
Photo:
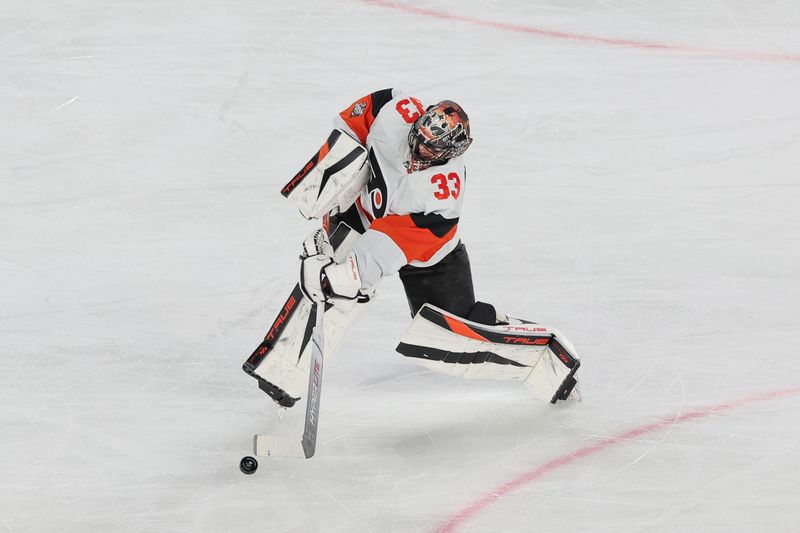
column 643, row 201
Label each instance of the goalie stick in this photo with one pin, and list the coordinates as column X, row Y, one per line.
column 275, row 446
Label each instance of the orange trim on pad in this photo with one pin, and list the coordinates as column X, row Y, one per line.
column 462, row 329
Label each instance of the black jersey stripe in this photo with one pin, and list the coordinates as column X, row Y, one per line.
column 436, row 224
column 380, row 99
column 377, row 182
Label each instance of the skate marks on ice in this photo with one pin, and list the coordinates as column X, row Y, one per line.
column 497, row 494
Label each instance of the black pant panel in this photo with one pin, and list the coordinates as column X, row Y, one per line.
column 447, row 284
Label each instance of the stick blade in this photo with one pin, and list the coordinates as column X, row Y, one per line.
column 305, row 446
column 272, row 446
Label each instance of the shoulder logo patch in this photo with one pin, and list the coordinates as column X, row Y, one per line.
column 358, row 109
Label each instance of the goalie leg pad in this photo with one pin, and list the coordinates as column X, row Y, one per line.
column 332, row 179
column 281, row 362
column 534, row 354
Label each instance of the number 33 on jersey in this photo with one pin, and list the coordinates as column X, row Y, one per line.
column 448, row 186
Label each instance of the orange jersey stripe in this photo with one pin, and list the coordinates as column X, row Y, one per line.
column 418, row 244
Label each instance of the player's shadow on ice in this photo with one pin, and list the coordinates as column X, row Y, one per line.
column 453, row 418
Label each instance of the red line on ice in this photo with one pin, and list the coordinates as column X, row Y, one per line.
column 498, row 493
column 569, row 36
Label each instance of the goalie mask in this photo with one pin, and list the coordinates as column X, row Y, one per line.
column 441, row 133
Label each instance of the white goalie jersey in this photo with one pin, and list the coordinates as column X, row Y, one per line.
column 411, row 217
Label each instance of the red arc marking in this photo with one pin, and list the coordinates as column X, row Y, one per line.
column 496, row 494
column 594, row 39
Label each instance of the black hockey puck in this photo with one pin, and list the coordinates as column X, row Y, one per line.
column 248, row 465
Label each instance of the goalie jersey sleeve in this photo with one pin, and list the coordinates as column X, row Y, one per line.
column 359, row 117
column 411, row 217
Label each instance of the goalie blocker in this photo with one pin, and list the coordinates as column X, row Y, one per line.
column 539, row 356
